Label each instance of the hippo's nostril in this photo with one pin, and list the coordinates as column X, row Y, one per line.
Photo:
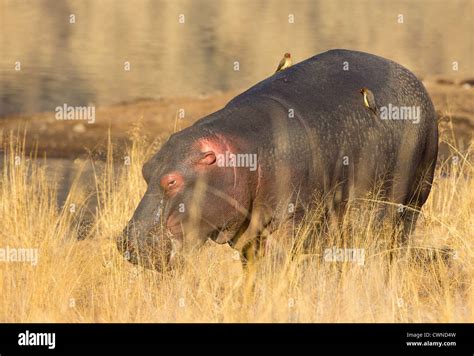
column 126, row 243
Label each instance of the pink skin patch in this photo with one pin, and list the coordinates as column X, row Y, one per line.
column 173, row 224
column 210, row 148
column 216, row 146
column 219, row 144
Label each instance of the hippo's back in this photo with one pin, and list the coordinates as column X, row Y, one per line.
column 330, row 83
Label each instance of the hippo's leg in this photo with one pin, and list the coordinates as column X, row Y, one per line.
column 421, row 189
column 268, row 244
column 252, row 251
column 418, row 198
column 249, row 243
column 275, row 240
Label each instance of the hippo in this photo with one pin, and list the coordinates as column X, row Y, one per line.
column 301, row 136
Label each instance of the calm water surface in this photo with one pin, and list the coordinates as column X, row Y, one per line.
column 83, row 62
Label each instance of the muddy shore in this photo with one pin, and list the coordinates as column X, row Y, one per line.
column 71, row 139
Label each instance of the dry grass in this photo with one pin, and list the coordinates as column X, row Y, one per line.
column 88, row 281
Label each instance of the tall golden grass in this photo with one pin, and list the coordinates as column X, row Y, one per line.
column 86, row 280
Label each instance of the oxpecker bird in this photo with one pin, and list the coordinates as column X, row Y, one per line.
column 285, row 62
column 369, row 100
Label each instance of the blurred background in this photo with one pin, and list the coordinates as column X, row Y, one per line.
column 82, row 63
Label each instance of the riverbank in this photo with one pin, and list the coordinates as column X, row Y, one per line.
column 159, row 118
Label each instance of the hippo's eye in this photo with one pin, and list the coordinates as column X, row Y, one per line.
column 171, row 182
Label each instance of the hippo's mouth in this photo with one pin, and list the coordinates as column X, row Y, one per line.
column 174, row 224
column 175, row 230
column 150, row 253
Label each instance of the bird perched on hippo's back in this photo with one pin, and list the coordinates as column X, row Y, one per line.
column 285, row 63
column 369, row 100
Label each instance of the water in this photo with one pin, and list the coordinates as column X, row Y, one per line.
column 83, row 63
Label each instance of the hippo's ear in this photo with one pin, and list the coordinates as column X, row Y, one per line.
column 208, row 158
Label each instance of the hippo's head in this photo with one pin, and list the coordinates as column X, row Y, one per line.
column 189, row 198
